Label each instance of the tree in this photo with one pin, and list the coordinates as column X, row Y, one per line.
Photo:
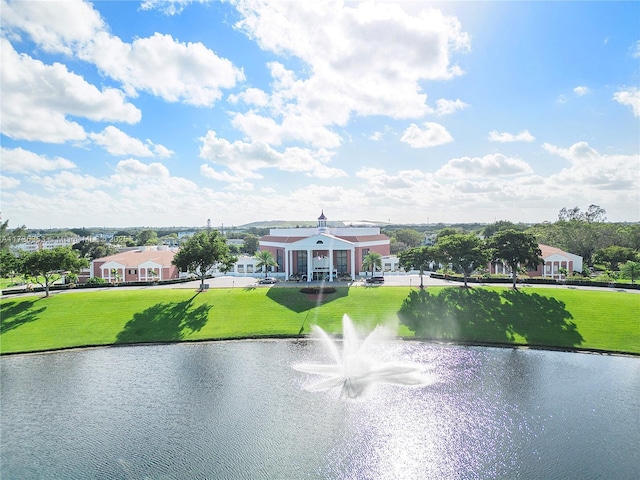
column 498, row 226
column 251, row 243
column 148, row 237
column 516, row 249
column 445, row 232
column 417, row 258
column 9, row 237
column 395, row 247
column 575, row 236
column 630, row 270
column 465, row 252
column 593, row 214
column 93, row 250
column 411, row 238
column 9, row 263
column 203, row 251
column 266, row 260
column 49, row 265
column 614, row 255
column 372, row 261
column 81, row 232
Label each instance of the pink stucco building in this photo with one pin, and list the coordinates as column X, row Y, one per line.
column 145, row 264
column 323, row 252
column 554, row 260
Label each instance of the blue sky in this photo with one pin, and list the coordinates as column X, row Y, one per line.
column 169, row 113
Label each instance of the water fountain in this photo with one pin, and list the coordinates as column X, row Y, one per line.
column 356, row 370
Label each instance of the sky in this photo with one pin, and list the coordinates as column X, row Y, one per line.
column 167, row 113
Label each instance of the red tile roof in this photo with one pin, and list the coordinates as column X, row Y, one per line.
column 134, row 258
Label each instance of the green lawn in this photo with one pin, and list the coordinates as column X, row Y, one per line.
column 602, row 320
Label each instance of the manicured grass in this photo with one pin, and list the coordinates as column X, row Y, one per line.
column 602, row 320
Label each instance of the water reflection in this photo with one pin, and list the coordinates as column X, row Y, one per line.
column 238, row 410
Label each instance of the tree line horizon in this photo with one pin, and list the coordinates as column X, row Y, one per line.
column 586, row 234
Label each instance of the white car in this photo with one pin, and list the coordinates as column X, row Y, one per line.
column 266, row 280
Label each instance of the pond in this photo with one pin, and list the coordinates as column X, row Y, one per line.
column 239, row 410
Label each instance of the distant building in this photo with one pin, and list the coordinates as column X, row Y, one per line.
column 245, row 266
column 430, row 239
column 33, row 244
column 323, row 252
column 144, row 264
column 554, row 259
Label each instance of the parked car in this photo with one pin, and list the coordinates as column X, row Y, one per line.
column 267, row 280
column 375, row 280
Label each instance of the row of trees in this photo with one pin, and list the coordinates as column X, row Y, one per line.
column 44, row 267
column 466, row 253
column 584, row 233
column 209, row 249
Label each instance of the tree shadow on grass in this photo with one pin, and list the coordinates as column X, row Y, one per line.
column 297, row 301
column 14, row 314
column 165, row 322
column 478, row 315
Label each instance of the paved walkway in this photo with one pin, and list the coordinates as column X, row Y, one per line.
column 225, row 281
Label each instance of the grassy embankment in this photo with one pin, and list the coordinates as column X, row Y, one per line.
column 564, row 318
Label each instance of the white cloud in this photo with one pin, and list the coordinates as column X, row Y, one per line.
column 489, row 166
column 18, row 160
column 116, row 142
column 590, row 171
column 160, row 150
column 504, row 137
column 251, row 96
column 8, row 183
column 380, row 180
column 581, row 90
column 630, row 97
column 431, row 135
column 363, row 59
column 132, row 171
column 56, row 26
column 245, row 158
column 635, row 49
column 238, row 181
column 169, row 7
column 44, row 96
column 578, row 151
column 191, row 73
column 447, row 107
column 303, row 128
column 66, row 181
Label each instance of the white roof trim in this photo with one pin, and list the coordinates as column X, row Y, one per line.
column 150, row 264
column 328, row 242
column 112, row 264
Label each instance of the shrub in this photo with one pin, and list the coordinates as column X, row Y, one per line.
column 317, row 290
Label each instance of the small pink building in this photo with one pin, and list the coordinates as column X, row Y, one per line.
column 323, row 252
column 146, row 264
column 554, row 259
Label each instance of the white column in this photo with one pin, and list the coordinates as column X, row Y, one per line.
column 287, row 252
column 330, row 264
column 309, row 264
column 352, row 251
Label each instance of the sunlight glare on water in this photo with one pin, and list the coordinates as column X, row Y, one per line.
column 238, row 410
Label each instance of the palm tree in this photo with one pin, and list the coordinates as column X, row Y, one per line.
column 372, row 261
column 266, row 260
